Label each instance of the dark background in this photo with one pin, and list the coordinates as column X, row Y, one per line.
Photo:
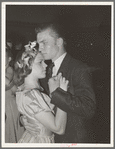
column 88, row 38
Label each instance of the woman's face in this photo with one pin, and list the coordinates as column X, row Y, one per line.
column 39, row 67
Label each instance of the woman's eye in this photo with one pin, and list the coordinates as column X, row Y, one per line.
column 40, row 62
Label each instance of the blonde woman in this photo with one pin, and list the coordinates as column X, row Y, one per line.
column 33, row 103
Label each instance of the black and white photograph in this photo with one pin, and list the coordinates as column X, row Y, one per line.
column 57, row 65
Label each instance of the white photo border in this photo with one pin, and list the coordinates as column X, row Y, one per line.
column 3, row 22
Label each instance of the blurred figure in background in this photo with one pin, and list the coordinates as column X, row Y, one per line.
column 9, row 43
column 13, row 130
column 18, row 46
column 16, row 42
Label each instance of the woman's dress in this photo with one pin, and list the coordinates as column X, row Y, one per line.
column 30, row 103
column 13, row 129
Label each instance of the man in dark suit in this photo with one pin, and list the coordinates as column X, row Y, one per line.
column 79, row 102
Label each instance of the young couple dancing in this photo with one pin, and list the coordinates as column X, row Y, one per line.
column 69, row 92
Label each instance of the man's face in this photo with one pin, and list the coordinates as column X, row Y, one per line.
column 48, row 45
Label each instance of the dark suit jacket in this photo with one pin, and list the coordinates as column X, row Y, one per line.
column 79, row 102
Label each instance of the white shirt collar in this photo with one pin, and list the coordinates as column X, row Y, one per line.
column 58, row 63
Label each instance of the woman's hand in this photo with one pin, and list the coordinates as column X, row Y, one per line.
column 63, row 83
column 58, row 81
column 54, row 83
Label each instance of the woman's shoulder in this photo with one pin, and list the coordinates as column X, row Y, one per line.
column 31, row 101
column 28, row 94
column 43, row 100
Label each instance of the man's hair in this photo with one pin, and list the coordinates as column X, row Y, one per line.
column 57, row 30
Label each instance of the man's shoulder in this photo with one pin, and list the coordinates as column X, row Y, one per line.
column 74, row 62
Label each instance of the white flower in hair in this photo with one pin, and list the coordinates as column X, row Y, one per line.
column 30, row 46
column 30, row 49
column 30, row 52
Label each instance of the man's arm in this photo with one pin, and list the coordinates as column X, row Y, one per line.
column 82, row 102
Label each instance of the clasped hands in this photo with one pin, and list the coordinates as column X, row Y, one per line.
column 57, row 81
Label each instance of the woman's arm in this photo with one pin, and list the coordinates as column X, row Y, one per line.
column 55, row 123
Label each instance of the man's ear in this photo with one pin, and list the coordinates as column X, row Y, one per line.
column 60, row 41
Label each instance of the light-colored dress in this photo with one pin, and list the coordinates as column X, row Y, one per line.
column 13, row 129
column 31, row 102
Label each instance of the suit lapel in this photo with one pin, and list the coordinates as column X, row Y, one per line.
column 64, row 69
column 64, row 66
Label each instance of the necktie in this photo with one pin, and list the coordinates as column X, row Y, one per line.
column 49, row 71
column 49, row 75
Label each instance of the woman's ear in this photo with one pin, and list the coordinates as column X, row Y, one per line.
column 60, row 41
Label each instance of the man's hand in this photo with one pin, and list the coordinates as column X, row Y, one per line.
column 29, row 126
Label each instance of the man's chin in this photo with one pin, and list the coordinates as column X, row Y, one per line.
column 45, row 57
